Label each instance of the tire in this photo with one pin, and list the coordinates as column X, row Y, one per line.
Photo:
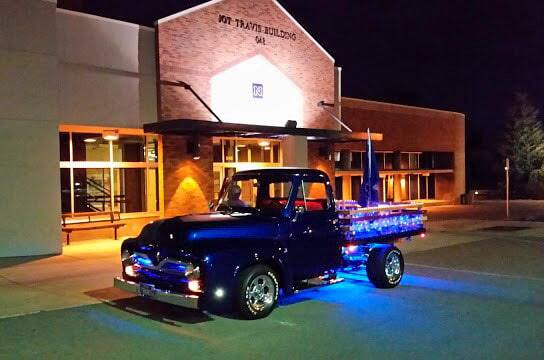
column 257, row 292
column 385, row 266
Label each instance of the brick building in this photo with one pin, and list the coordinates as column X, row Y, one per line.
column 95, row 107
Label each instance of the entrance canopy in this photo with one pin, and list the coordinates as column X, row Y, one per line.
column 210, row 128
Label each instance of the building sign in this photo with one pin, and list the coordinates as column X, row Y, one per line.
column 257, row 91
column 260, row 29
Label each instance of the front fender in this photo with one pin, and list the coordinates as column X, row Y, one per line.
column 221, row 270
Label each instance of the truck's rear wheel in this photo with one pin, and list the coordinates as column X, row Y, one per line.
column 385, row 266
column 258, row 292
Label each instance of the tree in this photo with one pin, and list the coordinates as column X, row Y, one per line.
column 523, row 144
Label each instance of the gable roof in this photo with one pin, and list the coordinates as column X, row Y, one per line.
column 275, row 2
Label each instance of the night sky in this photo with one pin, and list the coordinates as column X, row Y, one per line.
column 465, row 56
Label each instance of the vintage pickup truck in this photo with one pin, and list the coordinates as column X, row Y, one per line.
column 272, row 232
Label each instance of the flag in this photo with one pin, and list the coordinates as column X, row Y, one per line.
column 369, row 194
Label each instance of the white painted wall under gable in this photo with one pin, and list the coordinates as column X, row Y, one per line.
column 107, row 71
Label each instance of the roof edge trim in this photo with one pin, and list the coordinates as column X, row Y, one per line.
column 401, row 105
column 186, row 11
column 106, row 19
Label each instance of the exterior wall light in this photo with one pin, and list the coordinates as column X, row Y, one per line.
column 264, row 143
column 193, row 147
column 90, row 140
column 325, row 152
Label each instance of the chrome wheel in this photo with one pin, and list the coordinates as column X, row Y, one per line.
column 385, row 266
column 393, row 270
column 260, row 293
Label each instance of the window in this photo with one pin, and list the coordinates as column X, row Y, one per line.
column 413, row 186
column 355, row 187
column 414, row 160
column 109, row 175
column 380, row 160
column 404, row 161
column 338, row 187
column 388, row 161
column 356, row 160
column 312, row 196
column 242, row 151
column 129, row 149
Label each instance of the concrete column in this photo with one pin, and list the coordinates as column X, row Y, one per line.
column 295, row 151
column 29, row 137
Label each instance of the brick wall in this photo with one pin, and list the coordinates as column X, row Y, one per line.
column 196, row 46
column 188, row 183
column 408, row 128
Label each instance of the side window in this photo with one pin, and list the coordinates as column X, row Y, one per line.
column 312, row 196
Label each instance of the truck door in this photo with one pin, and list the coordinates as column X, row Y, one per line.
column 314, row 243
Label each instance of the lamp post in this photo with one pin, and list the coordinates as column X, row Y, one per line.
column 507, row 173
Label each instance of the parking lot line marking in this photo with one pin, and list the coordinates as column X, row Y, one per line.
column 476, row 272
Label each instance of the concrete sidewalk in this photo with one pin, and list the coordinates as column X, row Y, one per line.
column 32, row 284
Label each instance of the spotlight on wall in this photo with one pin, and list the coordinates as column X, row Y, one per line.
column 193, row 147
column 110, row 135
column 291, row 124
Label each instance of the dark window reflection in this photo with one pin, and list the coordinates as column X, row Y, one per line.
column 356, row 160
column 65, row 191
column 355, row 187
column 217, row 152
column 64, row 143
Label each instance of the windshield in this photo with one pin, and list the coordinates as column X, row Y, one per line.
column 253, row 195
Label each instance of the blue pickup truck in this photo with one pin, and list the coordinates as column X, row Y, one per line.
column 271, row 232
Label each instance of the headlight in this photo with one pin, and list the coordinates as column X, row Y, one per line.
column 192, row 272
column 125, row 255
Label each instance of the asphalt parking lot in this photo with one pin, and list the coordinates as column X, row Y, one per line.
column 471, row 291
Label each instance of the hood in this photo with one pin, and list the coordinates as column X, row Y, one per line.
column 201, row 233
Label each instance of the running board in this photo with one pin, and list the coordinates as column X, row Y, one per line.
column 315, row 283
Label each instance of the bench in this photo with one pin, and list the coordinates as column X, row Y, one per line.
column 91, row 221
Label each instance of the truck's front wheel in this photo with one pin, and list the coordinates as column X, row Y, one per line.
column 258, row 292
column 385, row 266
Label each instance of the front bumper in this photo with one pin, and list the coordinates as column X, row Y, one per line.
column 151, row 292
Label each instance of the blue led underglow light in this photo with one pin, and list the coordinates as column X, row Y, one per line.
column 176, row 267
column 142, row 261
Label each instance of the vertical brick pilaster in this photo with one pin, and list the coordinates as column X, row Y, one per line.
column 188, row 183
